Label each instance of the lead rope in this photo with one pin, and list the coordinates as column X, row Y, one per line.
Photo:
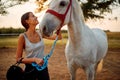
column 38, row 67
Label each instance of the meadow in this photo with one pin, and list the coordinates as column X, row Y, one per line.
column 57, row 63
column 11, row 41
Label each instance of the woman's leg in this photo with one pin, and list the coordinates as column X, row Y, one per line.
column 30, row 72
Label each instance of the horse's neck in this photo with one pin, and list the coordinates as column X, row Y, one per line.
column 74, row 34
column 77, row 25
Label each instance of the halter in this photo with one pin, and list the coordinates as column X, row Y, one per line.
column 61, row 17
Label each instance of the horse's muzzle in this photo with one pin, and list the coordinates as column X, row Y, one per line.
column 47, row 32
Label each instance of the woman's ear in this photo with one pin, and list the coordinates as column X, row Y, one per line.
column 27, row 21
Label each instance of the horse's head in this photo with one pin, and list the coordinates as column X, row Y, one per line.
column 56, row 16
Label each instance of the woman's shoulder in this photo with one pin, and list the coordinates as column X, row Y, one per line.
column 21, row 36
column 21, row 40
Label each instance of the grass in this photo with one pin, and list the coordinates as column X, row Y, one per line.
column 113, row 39
column 11, row 41
column 8, row 41
column 114, row 43
column 113, row 35
column 59, row 42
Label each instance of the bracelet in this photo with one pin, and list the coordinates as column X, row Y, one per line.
column 20, row 61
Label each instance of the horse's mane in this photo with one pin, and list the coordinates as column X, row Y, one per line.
column 78, row 9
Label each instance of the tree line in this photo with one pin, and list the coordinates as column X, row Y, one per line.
column 11, row 30
column 16, row 30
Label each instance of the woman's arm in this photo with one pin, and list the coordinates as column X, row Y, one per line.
column 19, row 53
column 20, row 47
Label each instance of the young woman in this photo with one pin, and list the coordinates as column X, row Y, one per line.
column 32, row 42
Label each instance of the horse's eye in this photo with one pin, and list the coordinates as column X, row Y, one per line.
column 62, row 3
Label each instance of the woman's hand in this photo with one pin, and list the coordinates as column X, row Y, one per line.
column 59, row 35
column 39, row 61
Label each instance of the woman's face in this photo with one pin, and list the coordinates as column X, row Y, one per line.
column 32, row 19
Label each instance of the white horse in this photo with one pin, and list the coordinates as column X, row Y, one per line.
column 86, row 47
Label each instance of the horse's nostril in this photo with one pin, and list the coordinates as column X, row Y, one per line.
column 44, row 29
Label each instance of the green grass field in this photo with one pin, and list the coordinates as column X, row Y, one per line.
column 8, row 41
column 11, row 41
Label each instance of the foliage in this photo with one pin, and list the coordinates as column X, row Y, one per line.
column 11, row 30
column 91, row 8
column 17, row 30
column 4, row 4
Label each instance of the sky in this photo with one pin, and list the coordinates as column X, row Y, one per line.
column 15, row 13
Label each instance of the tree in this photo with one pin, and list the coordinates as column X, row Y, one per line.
column 4, row 4
column 97, row 8
column 91, row 8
